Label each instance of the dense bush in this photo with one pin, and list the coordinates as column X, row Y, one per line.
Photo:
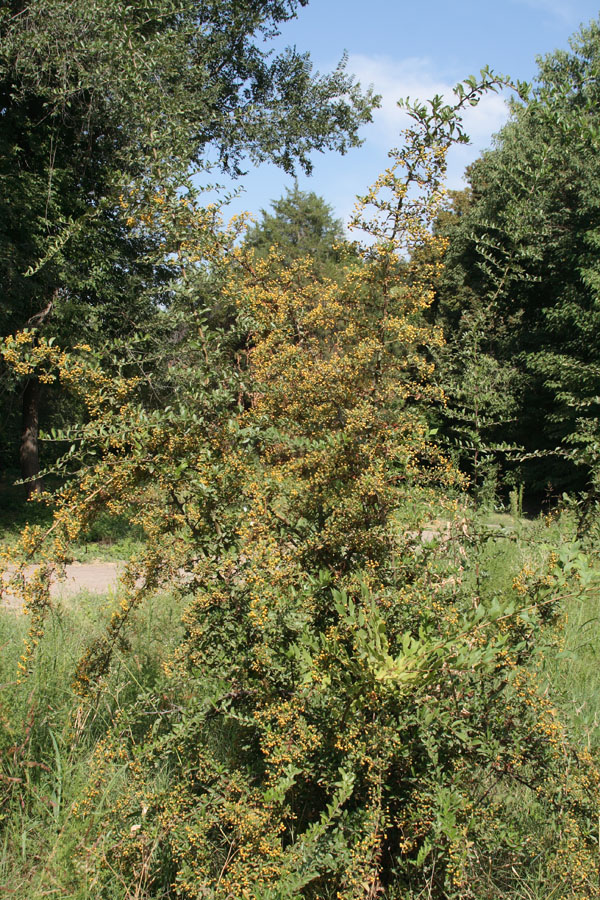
column 351, row 710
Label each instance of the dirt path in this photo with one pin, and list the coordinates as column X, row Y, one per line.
column 100, row 577
column 97, row 578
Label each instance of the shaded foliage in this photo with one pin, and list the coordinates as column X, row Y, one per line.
column 526, row 249
column 102, row 106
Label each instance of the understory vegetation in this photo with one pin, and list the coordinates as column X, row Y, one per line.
column 341, row 662
column 108, row 795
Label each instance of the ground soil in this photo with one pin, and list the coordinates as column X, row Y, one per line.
column 96, row 578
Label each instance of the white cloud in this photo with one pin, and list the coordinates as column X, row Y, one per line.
column 416, row 78
column 395, row 80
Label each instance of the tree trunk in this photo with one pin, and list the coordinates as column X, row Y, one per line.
column 30, row 457
column 30, row 453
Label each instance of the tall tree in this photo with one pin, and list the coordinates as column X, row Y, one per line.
column 529, row 248
column 103, row 104
column 301, row 224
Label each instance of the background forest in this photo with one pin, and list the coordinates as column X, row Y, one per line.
column 341, row 662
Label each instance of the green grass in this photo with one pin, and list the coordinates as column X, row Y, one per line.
column 571, row 667
column 108, row 538
column 48, row 737
column 573, row 672
column 498, row 545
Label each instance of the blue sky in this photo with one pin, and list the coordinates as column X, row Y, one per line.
column 415, row 48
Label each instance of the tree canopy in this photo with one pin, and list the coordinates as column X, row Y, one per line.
column 301, row 224
column 103, row 107
column 527, row 247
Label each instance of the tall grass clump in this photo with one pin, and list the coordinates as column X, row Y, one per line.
column 49, row 737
